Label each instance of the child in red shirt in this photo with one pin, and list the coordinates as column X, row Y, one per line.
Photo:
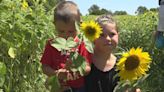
column 53, row 62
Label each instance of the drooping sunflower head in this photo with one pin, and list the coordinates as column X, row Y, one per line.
column 133, row 64
column 91, row 30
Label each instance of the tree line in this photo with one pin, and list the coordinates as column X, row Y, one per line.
column 96, row 10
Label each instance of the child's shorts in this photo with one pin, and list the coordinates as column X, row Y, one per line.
column 161, row 18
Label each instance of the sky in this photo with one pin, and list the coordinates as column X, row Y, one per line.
column 130, row 6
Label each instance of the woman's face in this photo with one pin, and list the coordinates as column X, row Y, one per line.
column 108, row 39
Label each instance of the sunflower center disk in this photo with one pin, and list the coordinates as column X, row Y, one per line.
column 132, row 62
column 91, row 31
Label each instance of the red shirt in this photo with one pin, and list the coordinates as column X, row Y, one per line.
column 55, row 60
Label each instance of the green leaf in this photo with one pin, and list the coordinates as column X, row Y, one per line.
column 2, row 80
column 54, row 83
column 62, row 44
column 141, row 80
column 11, row 26
column 2, row 73
column 59, row 43
column 1, row 90
column 82, row 69
column 78, row 63
column 12, row 52
column 70, row 43
column 2, row 68
column 29, row 17
column 89, row 45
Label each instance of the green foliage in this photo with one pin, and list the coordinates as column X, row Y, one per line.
column 137, row 30
column 88, row 17
column 95, row 10
column 89, row 46
column 120, row 13
column 154, row 9
column 51, row 4
column 2, row 74
column 54, row 84
column 12, row 52
column 78, row 63
column 141, row 10
column 23, row 33
column 62, row 44
column 2, row 68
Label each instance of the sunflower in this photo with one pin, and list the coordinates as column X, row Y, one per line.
column 24, row 5
column 133, row 64
column 91, row 30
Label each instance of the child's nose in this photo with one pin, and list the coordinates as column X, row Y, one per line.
column 108, row 38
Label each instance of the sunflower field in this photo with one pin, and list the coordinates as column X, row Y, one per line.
column 25, row 27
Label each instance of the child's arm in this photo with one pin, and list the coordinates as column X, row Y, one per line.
column 48, row 70
column 76, row 75
column 61, row 73
column 87, row 69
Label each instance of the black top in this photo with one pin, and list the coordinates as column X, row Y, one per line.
column 99, row 81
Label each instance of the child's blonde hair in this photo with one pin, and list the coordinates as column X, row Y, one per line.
column 106, row 18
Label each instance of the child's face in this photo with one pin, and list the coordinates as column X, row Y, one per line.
column 108, row 39
column 65, row 30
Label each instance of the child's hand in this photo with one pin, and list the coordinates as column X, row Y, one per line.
column 66, row 75
column 62, row 74
column 68, row 64
column 73, row 76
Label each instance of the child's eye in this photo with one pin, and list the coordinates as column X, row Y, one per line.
column 111, row 34
column 102, row 35
column 70, row 31
column 61, row 31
